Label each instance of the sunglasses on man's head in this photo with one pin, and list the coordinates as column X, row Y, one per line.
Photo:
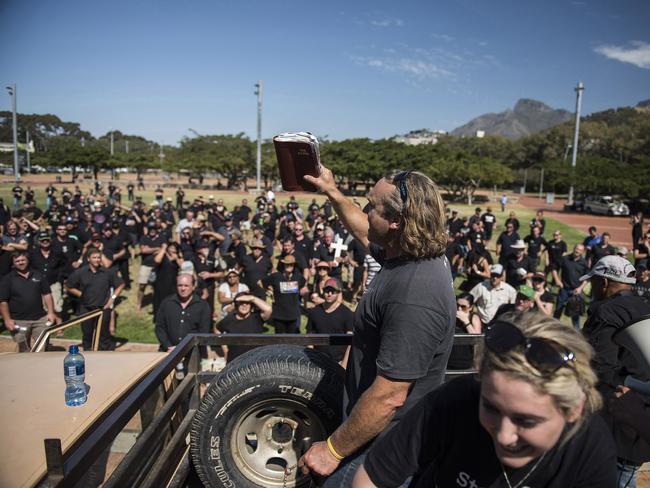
column 400, row 181
column 544, row 355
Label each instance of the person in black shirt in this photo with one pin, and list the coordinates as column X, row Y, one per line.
column 505, row 242
column 467, row 322
column 529, row 420
column 614, row 306
column 181, row 314
column 538, row 222
column 489, row 221
column 49, row 262
column 520, row 267
column 97, row 288
column 287, row 287
column 512, row 219
column 150, row 244
column 248, row 318
column 642, row 286
column 555, row 249
column 572, row 267
column 604, row 248
column 642, row 250
column 331, row 317
column 255, row 266
column 536, row 245
column 22, row 295
column 543, row 297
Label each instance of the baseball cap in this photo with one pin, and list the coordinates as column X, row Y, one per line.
column 332, row 283
column 187, row 267
column 540, row 275
column 44, row 236
column 320, row 227
column 526, row 291
column 232, row 271
column 322, row 264
column 615, row 268
column 496, row 269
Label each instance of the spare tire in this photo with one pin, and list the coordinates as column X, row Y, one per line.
column 261, row 413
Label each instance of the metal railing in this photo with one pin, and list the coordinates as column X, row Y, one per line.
column 160, row 455
column 41, row 342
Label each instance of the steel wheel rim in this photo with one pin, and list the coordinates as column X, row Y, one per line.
column 272, row 434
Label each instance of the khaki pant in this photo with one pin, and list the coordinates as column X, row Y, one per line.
column 28, row 329
column 57, row 296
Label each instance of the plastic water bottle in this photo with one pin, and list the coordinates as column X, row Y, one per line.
column 74, row 372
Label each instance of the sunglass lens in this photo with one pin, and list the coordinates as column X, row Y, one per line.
column 502, row 337
column 543, row 355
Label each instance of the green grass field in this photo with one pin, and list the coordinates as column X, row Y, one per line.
column 140, row 328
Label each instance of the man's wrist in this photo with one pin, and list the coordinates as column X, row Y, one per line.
column 333, row 451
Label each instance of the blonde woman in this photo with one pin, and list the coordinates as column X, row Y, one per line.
column 528, row 420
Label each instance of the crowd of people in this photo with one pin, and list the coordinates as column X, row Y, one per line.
column 214, row 269
column 82, row 246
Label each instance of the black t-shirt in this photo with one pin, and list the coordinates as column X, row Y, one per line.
column 24, row 295
column 286, row 294
column 488, row 220
column 571, row 271
column 95, row 286
column 158, row 241
column 512, row 271
column 173, row 322
column 506, row 242
column 598, row 252
column 555, row 252
column 534, row 245
column 441, row 443
column 255, row 270
column 403, row 328
column 339, row 321
column 253, row 324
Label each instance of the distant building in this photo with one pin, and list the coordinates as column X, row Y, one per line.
column 421, row 136
column 480, row 134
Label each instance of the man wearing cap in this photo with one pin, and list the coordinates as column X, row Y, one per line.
column 289, row 249
column 22, row 294
column 287, row 286
column 571, row 268
column 49, row 262
column 543, row 297
column 614, row 306
column 331, row 317
column 491, row 294
column 404, row 323
column 524, row 302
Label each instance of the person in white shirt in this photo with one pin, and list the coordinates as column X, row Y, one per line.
column 490, row 294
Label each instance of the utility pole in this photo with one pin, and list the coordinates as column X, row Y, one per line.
column 258, row 92
column 12, row 91
column 579, row 89
column 29, row 165
column 126, row 146
column 83, row 141
column 541, row 183
column 112, row 141
column 161, row 155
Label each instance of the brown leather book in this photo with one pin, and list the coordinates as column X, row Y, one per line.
column 298, row 155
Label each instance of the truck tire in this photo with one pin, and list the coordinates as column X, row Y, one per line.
column 260, row 415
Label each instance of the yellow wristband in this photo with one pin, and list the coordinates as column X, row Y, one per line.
column 332, row 451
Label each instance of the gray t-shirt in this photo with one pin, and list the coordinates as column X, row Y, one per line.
column 403, row 328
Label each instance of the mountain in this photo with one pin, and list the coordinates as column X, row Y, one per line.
column 527, row 117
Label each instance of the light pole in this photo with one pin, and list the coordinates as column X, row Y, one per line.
column 579, row 89
column 161, row 155
column 12, row 91
column 258, row 168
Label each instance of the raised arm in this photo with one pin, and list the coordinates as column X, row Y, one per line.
column 353, row 218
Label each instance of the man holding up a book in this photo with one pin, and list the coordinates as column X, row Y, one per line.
column 404, row 323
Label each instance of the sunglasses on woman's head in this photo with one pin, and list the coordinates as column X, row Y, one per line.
column 400, row 182
column 543, row 354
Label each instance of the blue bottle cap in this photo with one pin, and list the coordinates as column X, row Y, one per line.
column 74, row 349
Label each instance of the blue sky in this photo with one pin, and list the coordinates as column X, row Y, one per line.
column 341, row 69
